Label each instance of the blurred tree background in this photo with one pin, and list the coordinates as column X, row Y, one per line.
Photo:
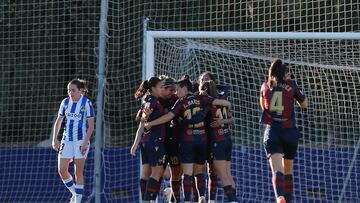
column 44, row 44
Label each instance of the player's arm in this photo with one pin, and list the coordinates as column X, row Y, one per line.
column 261, row 97
column 138, row 115
column 304, row 104
column 261, row 101
column 90, row 129
column 90, row 117
column 221, row 102
column 218, row 121
column 300, row 97
column 137, row 139
column 163, row 119
column 198, row 116
column 56, row 129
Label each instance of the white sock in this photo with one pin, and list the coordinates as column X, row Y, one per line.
column 69, row 183
column 79, row 190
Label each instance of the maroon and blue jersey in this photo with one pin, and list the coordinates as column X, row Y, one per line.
column 187, row 107
column 279, row 104
column 171, row 127
column 210, row 112
column 156, row 132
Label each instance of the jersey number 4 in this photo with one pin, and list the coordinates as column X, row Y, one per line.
column 276, row 103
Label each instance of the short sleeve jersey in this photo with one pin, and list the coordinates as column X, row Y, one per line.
column 156, row 132
column 76, row 115
column 279, row 104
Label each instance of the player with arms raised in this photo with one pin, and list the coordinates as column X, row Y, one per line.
column 281, row 136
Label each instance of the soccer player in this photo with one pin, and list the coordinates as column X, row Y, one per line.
column 193, row 142
column 220, row 141
column 152, row 141
column 79, row 116
column 168, row 99
column 222, row 93
column 281, row 136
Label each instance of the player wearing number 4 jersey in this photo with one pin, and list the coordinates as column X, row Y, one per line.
column 281, row 136
column 79, row 115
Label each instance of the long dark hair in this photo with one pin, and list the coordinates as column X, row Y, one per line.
column 210, row 74
column 146, row 86
column 80, row 84
column 185, row 82
column 210, row 88
column 278, row 70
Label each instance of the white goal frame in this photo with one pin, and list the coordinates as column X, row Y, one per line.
column 148, row 66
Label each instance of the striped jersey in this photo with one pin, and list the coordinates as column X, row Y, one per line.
column 76, row 115
column 186, row 108
column 156, row 132
column 279, row 104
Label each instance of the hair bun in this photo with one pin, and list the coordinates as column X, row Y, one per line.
column 185, row 77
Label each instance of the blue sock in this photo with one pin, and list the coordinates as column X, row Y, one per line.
column 69, row 183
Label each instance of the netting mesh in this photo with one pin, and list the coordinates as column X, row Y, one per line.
column 44, row 44
column 329, row 125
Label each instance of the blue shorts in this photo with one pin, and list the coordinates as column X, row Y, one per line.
column 193, row 151
column 281, row 140
column 221, row 150
column 153, row 153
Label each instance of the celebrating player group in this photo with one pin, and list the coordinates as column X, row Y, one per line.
column 184, row 126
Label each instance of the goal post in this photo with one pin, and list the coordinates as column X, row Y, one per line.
column 327, row 68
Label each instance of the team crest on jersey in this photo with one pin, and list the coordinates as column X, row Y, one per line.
column 288, row 88
column 82, row 108
column 156, row 148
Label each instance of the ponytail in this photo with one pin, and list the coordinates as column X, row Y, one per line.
column 185, row 82
column 278, row 70
column 143, row 88
column 146, row 86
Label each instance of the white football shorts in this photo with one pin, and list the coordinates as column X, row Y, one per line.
column 71, row 150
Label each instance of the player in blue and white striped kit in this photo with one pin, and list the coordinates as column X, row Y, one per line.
column 79, row 117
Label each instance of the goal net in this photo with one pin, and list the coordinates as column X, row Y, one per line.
column 327, row 70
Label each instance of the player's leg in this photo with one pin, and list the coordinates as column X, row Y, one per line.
column 200, row 182
column 64, row 158
column 156, row 160
column 186, row 155
column 231, row 180
column 176, row 174
column 154, row 183
column 290, row 139
column 146, row 172
column 63, row 170
column 79, row 178
column 274, row 152
column 146, row 169
column 79, row 162
column 289, row 182
column 166, row 181
column 278, row 179
column 201, row 154
column 228, row 154
column 220, row 165
column 213, row 182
